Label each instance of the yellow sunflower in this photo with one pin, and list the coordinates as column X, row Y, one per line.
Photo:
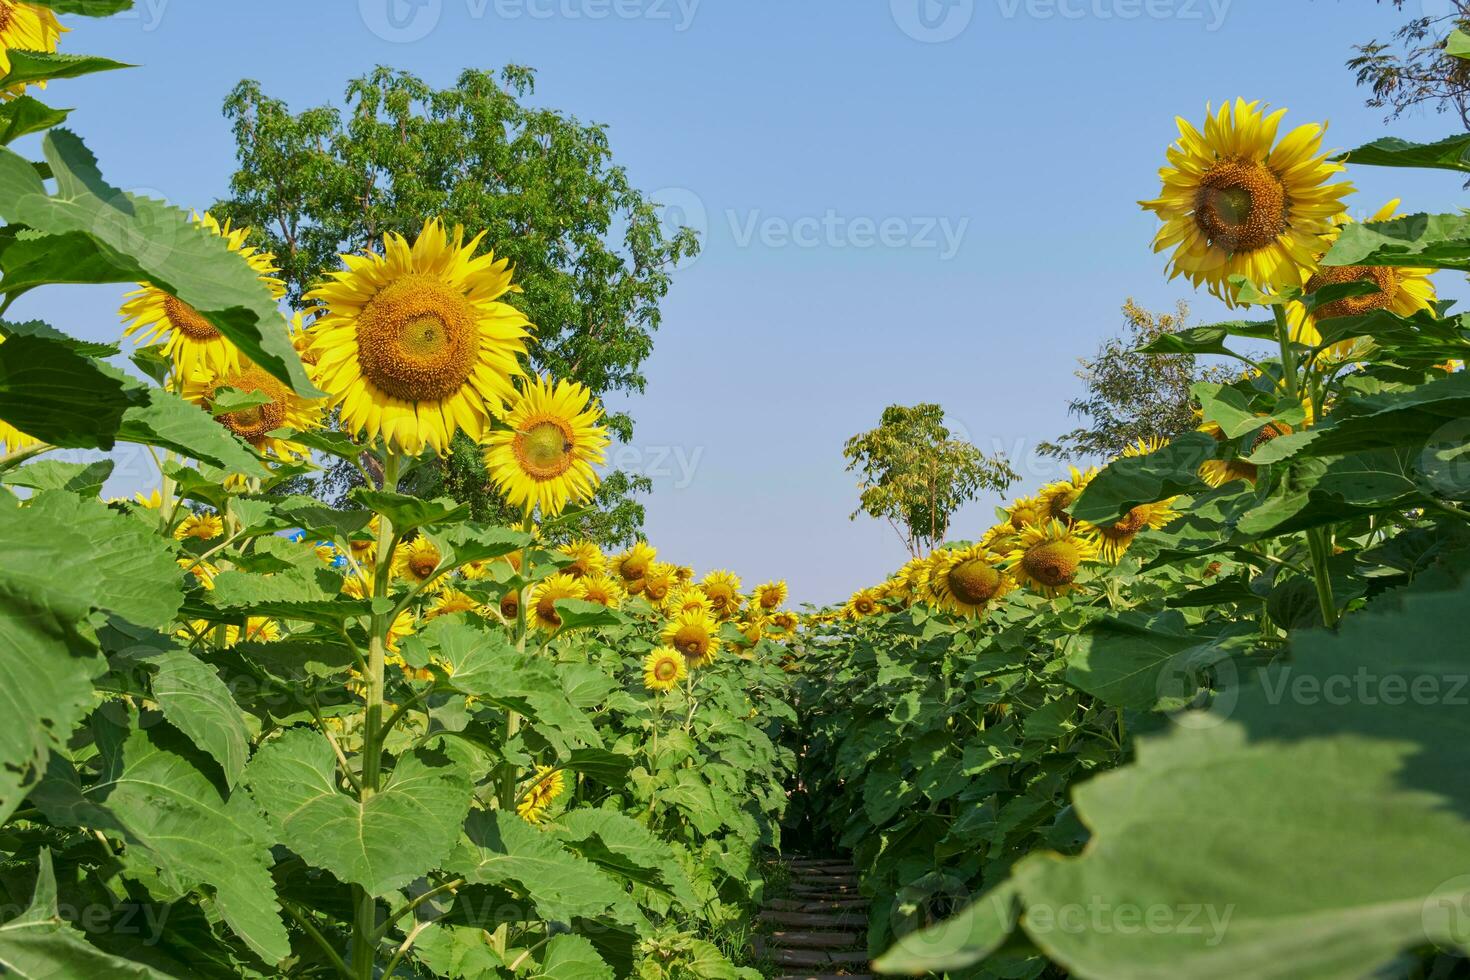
column 1145, row 447
column 968, row 580
column 753, row 630
column 633, row 564
column 1048, row 558
column 189, row 340
column 201, row 527
column 1401, row 290
column 256, row 425
column 603, row 590
column 686, row 598
column 659, row 582
column 203, row 572
column 1118, row 537
column 415, row 343
column 1026, row 512
column 1218, row 472
column 546, row 455
column 449, row 602
column 402, row 627
column 786, row 621
column 769, row 597
column 695, row 635
column 664, row 670
column 862, row 604
column 1235, row 202
column 26, row 27
column 258, row 629
column 911, row 584
column 587, row 559
column 722, row 588
column 415, row 561
column 510, row 605
column 536, row 799
column 542, row 603
column 1056, row 498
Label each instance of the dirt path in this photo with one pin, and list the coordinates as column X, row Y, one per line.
column 819, row 931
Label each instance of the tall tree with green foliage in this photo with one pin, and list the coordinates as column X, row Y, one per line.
column 590, row 252
column 916, row 475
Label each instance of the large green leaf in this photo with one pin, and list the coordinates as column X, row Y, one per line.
column 111, row 236
column 408, row 513
column 197, row 703
column 398, row 834
column 569, row 957
column 499, row 848
column 52, row 393
column 1125, row 661
column 1452, row 153
column 29, row 67
column 24, row 115
column 1353, row 486
column 87, row 8
column 170, row 422
column 39, row 943
column 955, row 943
column 1129, row 482
column 153, row 796
column 620, row 844
column 82, row 479
column 1438, row 241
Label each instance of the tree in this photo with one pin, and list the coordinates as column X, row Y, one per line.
column 590, row 253
column 1132, row 396
column 1412, row 69
column 915, row 475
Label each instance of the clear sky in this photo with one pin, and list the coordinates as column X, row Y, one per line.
column 915, row 200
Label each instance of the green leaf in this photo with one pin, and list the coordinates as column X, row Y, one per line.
column 571, row 957
column 169, row 422
column 40, row 943
column 1447, row 154
column 24, row 115
column 956, row 943
column 225, row 401
column 1122, row 660
column 1339, row 490
column 620, row 844
column 499, row 848
column 1208, row 339
column 44, row 330
column 156, row 799
column 197, row 703
column 51, row 393
column 87, row 8
column 1227, row 407
column 608, row 768
column 1457, row 45
column 409, row 513
column 83, row 479
column 579, row 614
column 1437, row 241
column 30, row 67
column 460, row 544
column 398, row 834
column 110, row 236
column 1130, row 482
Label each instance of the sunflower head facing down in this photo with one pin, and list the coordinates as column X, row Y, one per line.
column 546, row 785
column 415, row 343
column 545, row 456
column 967, row 581
column 633, row 564
column 1026, row 512
column 722, row 588
column 660, row 582
column 664, row 669
column 26, row 27
column 768, row 598
column 587, row 559
column 684, row 598
column 1116, row 538
column 695, row 635
column 1056, row 498
column 542, row 603
column 152, row 316
column 1047, row 559
column 256, row 424
column 1237, row 202
column 603, row 590
column 1401, row 290
column 862, row 604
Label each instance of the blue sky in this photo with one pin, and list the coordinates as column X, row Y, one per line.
column 902, row 201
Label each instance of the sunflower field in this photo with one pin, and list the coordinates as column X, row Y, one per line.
column 1203, row 711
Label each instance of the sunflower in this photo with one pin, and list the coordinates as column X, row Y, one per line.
column 753, row 630
column 664, row 670
column 687, row 598
column 722, row 588
column 356, row 586
column 284, row 410
column 449, row 602
column 1144, row 447
column 603, row 590
column 545, row 456
column 769, row 597
column 204, row 573
column 400, row 629
column 364, row 544
column 510, row 605
column 1401, row 290
column 1057, row 497
column 1026, row 512
column 659, row 582
column 258, row 629
column 201, row 527
column 587, row 559
column 786, row 620
column 1116, row 538
column 864, row 603
column 695, row 635
column 415, row 343
column 633, row 564
column 1234, row 202
column 684, row 574
column 415, row 561
column 542, row 603
column 189, row 340
column 26, row 27
column 911, row 583
column 968, row 580
column 1047, row 558
column 1218, row 472
column 536, row 799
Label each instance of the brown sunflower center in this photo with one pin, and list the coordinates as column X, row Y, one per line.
column 1130, row 525
column 974, row 582
column 1270, row 431
column 510, row 604
column 691, row 641
column 1054, row 563
column 1385, row 278
column 546, row 609
column 1241, row 206
column 656, row 589
column 864, row 605
column 1057, row 507
column 666, row 670
column 634, row 569
column 7, row 11
column 254, row 423
column 544, row 449
column 417, row 339
column 185, row 319
column 770, row 599
column 423, row 565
